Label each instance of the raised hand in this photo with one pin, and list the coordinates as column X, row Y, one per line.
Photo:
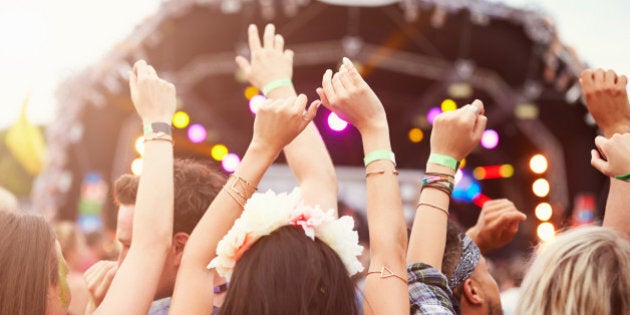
column 280, row 121
column 617, row 153
column 457, row 133
column 153, row 98
column 497, row 224
column 351, row 98
column 607, row 100
column 98, row 279
column 269, row 60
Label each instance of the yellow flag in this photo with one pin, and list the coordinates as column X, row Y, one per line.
column 26, row 142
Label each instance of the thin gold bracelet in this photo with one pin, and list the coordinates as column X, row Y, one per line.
column 386, row 273
column 432, row 206
column 380, row 172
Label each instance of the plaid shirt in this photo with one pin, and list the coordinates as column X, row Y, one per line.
column 429, row 292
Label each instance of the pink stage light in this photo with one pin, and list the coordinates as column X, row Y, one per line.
column 197, row 133
column 490, row 139
column 255, row 102
column 230, row 162
column 335, row 123
column 432, row 113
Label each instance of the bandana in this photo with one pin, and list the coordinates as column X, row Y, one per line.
column 467, row 262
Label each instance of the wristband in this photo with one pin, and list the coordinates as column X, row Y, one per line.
column 379, row 155
column 156, row 127
column 276, row 84
column 443, row 160
column 625, row 177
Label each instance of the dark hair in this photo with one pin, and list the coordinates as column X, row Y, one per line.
column 28, row 263
column 288, row 273
column 452, row 255
column 196, row 184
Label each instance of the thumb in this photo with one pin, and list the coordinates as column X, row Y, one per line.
column 598, row 163
column 243, row 64
column 480, row 127
column 322, row 96
column 311, row 112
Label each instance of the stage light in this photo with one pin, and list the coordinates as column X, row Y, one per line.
column 219, row 151
column 335, row 123
column 255, row 102
column 540, row 187
column 490, row 139
column 230, row 162
column 458, row 176
column 493, row 171
column 136, row 166
column 506, row 171
column 462, row 163
column 139, row 145
column 250, row 92
column 526, row 111
column 448, row 105
column 538, row 164
column 432, row 113
column 480, row 200
column 546, row 231
column 466, row 189
column 416, row 135
column 543, row 211
column 181, row 120
column 460, row 90
column 197, row 133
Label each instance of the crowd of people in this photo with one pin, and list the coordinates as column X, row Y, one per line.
column 197, row 242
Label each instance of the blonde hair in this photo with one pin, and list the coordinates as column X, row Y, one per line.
column 584, row 271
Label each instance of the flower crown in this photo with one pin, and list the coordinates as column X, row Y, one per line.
column 264, row 213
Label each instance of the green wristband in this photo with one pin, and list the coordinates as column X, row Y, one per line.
column 156, row 127
column 379, row 155
column 276, row 84
column 625, row 177
column 443, row 160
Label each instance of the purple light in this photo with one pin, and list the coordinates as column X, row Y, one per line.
column 230, row 162
column 197, row 133
column 490, row 139
column 255, row 102
column 432, row 113
column 335, row 123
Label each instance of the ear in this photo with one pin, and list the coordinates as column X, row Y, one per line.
column 471, row 292
column 177, row 248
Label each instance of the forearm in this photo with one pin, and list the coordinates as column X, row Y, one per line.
column 617, row 216
column 194, row 286
column 428, row 235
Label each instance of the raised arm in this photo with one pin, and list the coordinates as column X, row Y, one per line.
column 270, row 70
column 454, row 135
column 350, row 97
column 496, row 226
column 607, row 100
column 135, row 283
column 617, row 167
column 277, row 123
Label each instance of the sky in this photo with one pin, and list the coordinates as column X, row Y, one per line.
column 42, row 42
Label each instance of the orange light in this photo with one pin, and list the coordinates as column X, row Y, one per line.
column 538, row 164
column 250, row 92
column 136, row 166
column 540, row 187
column 416, row 135
column 543, row 211
column 546, row 231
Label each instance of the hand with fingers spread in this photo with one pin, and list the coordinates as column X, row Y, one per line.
column 497, row 224
column 607, row 100
column 457, row 133
column 269, row 60
column 617, row 153
column 279, row 121
column 351, row 98
column 153, row 98
column 98, row 279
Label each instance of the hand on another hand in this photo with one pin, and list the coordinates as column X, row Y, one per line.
column 279, row 121
column 497, row 224
column 617, row 153
column 607, row 100
column 98, row 279
column 457, row 133
column 269, row 60
column 351, row 98
column 153, row 98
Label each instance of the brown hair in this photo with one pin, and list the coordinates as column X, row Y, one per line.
column 288, row 273
column 196, row 184
column 28, row 263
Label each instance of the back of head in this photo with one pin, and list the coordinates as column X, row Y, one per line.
column 583, row 271
column 195, row 186
column 28, row 263
column 288, row 273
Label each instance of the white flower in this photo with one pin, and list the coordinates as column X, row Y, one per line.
column 266, row 212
